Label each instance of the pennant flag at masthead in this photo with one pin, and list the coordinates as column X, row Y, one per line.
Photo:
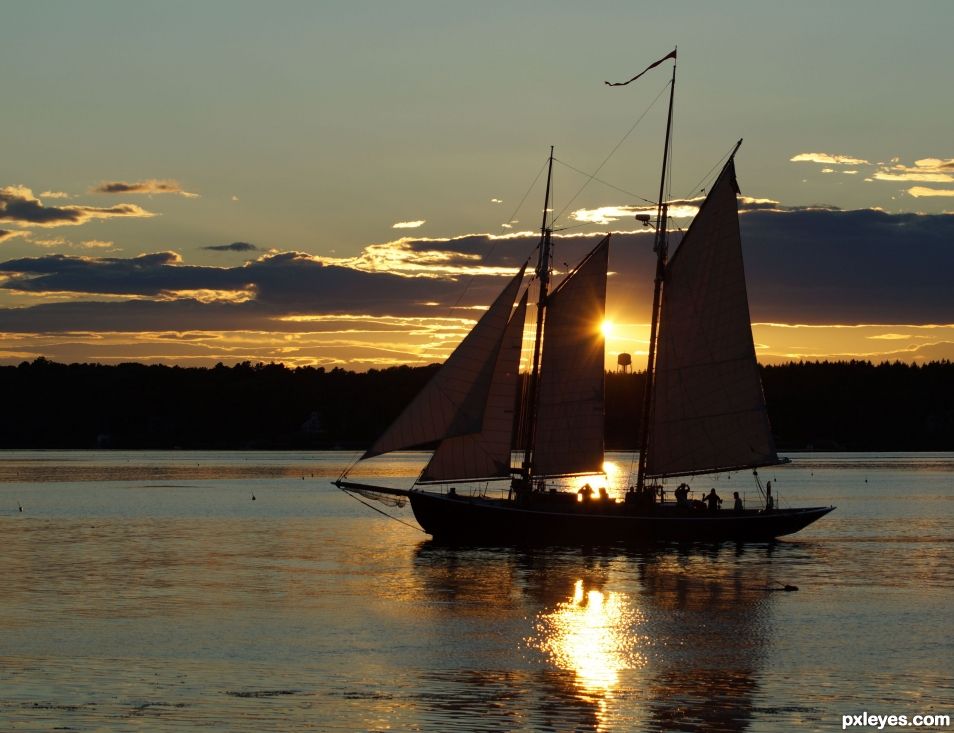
column 671, row 55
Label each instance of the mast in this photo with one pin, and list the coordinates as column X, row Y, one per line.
column 661, row 248
column 543, row 273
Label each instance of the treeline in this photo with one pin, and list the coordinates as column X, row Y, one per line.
column 826, row 406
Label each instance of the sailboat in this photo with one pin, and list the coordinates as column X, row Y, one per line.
column 703, row 410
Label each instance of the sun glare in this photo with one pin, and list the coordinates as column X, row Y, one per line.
column 607, row 328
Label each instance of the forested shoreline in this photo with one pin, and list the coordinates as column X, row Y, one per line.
column 852, row 406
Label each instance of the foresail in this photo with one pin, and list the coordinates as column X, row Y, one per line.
column 568, row 437
column 487, row 454
column 709, row 411
column 453, row 402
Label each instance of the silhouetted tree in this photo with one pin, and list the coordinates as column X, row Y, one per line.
column 822, row 405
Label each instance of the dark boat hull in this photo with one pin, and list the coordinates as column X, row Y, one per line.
column 475, row 520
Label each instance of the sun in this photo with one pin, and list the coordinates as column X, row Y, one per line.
column 607, row 328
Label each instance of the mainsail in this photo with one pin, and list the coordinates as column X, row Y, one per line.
column 568, row 437
column 453, row 402
column 708, row 411
column 487, row 454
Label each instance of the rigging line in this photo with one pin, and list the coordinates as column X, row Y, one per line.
column 575, row 226
column 672, row 147
column 493, row 245
column 708, row 174
column 344, row 474
column 605, row 183
column 612, row 152
column 380, row 511
column 537, row 178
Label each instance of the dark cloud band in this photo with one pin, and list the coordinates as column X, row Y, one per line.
column 817, row 266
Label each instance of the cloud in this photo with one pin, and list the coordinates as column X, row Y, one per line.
column 914, row 176
column 233, row 247
column 678, row 209
column 285, row 283
column 51, row 242
column 7, row 234
column 605, row 214
column 924, row 170
column 63, row 242
column 919, row 191
column 54, row 195
column 827, row 158
column 408, row 224
column 432, row 258
column 936, row 165
column 891, row 337
column 148, row 186
column 18, row 204
column 858, row 266
column 151, row 274
column 804, row 265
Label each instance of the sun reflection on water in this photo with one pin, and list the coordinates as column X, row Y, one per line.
column 594, row 636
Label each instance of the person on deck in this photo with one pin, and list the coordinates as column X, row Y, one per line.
column 682, row 495
column 713, row 500
column 769, row 499
column 737, row 505
column 586, row 493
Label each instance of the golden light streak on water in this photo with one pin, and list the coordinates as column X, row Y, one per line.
column 593, row 635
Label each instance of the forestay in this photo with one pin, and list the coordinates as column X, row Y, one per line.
column 568, row 437
column 487, row 454
column 453, row 402
column 709, row 411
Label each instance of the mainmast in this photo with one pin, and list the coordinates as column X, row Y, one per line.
column 543, row 274
column 661, row 248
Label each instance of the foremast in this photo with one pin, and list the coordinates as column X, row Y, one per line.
column 661, row 248
column 529, row 413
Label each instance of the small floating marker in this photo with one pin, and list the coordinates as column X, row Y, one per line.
column 776, row 586
column 253, row 497
column 20, row 506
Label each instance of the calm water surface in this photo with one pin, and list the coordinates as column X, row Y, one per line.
column 150, row 592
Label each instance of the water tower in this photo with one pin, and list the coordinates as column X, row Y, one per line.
column 624, row 363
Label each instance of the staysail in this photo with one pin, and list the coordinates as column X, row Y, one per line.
column 453, row 402
column 568, row 436
column 708, row 411
column 487, row 454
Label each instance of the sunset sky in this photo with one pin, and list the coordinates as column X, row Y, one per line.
column 346, row 183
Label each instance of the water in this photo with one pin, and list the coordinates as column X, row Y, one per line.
column 150, row 592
